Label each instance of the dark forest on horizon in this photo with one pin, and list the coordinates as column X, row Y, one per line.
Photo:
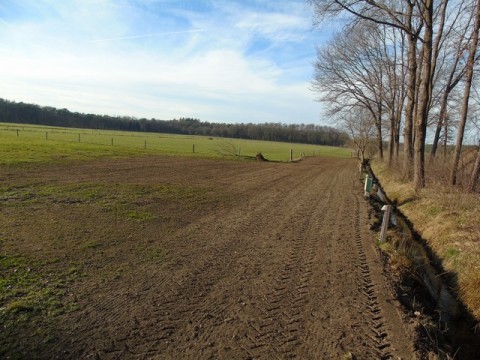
column 23, row 113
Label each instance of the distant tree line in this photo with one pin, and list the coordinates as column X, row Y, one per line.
column 22, row 113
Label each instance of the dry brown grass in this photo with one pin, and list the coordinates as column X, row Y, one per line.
column 447, row 218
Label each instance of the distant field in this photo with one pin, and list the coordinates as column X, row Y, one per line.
column 31, row 144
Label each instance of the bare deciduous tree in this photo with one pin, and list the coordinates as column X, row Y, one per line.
column 431, row 37
column 361, row 127
column 410, row 17
column 452, row 66
column 472, row 58
column 349, row 73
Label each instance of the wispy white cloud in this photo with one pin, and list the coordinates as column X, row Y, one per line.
column 276, row 27
column 228, row 62
column 148, row 35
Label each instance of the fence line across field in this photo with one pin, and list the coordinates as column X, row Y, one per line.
column 113, row 138
column 94, row 137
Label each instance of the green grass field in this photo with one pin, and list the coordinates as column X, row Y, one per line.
column 21, row 144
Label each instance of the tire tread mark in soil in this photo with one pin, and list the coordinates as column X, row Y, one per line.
column 379, row 336
column 201, row 283
column 285, row 304
column 277, row 271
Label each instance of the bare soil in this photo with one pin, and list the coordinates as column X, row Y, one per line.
column 205, row 259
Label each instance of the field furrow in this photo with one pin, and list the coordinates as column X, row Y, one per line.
column 203, row 259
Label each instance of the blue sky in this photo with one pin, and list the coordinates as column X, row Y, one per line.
column 221, row 61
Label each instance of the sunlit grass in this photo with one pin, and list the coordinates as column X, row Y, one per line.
column 449, row 220
column 23, row 144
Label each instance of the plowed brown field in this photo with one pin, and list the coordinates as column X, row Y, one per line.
column 203, row 259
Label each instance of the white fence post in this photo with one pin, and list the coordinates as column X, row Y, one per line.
column 386, row 220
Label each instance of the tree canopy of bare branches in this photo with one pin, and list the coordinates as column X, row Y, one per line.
column 403, row 61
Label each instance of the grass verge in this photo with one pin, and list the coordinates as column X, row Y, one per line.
column 449, row 220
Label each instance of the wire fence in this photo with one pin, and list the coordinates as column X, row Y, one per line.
column 102, row 137
column 169, row 143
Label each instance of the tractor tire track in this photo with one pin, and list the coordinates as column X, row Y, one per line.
column 285, row 269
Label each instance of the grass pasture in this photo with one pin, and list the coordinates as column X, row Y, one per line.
column 32, row 144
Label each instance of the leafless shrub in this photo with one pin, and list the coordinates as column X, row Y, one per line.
column 227, row 148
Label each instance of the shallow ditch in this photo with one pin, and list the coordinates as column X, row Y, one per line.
column 427, row 291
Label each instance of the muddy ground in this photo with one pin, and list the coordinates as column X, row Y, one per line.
column 201, row 259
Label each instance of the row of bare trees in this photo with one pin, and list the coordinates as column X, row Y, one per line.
column 402, row 67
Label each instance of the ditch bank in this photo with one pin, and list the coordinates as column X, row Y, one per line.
column 425, row 289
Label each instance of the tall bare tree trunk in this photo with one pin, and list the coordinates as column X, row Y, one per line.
column 424, row 99
column 466, row 95
column 475, row 174
column 441, row 118
column 452, row 82
column 379, row 101
column 401, row 91
column 379, row 134
column 391, row 139
column 436, row 45
column 408, row 129
column 436, row 49
column 397, row 140
column 445, row 138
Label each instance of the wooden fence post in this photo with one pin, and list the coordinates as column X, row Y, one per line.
column 291, row 155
